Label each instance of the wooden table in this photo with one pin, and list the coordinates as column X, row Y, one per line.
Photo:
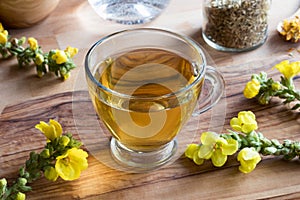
column 26, row 99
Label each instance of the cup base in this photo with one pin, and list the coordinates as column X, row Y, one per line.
column 138, row 161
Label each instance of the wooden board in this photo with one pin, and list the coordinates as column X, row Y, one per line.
column 182, row 179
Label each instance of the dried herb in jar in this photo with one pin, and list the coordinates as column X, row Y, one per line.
column 236, row 24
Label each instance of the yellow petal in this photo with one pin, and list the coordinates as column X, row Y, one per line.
column 235, row 123
column 196, row 159
column 3, row 38
column 70, row 164
column 78, row 157
column 46, row 129
column 57, row 127
column 230, row 148
column 247, row 128
column 1, row 27
column 218, row 159
column 246, row 169
column 251, row 89
column 51, row 174
column 246, row 115
column 190, row 150
column 67, row 172
column 205, row 151
column 209, row 138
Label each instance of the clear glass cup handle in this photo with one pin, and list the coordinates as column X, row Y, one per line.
column 212, row 91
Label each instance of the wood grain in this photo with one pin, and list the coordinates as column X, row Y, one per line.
column 75, row 23
column 273, row 178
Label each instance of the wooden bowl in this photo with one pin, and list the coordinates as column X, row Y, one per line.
column 25, row 13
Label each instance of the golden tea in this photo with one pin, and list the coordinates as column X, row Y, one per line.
column 148, row 103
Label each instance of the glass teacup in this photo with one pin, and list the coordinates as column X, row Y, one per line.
column 144, row 85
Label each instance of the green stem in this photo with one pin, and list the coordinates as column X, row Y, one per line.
column 288, row 149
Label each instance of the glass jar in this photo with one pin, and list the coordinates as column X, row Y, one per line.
column 235, row 25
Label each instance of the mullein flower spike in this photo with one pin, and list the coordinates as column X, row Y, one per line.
column 243, row 139
column 61, row 157
column 264, row 88
column 58, row 61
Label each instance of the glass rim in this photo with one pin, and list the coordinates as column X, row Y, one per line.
column 186, row 39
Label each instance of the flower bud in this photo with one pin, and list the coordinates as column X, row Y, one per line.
column 45, row 153
column 276, row 143
column 248, row 158
column 22, row 181
column 64, row 140
column 66, row 76
column 3, row 183
column 40, row 74
column 50, row 173
column 276, row 86
column 33, row 44
column 20, row 196
column 22, row 171
column 266, row 142
column 270, row 150
column 285, row 151
column 264, row 99
column 39, row 59
column 14, row 42
column 22, row 40
column 26, row 175
column 297, row 146
column 251, row 89
column 287, row 143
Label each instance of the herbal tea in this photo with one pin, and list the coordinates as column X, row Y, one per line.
column 150, row 106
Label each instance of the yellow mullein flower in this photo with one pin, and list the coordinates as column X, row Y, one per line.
column 33, row 44
column 248, row 157
column 60, row 57
column 51, row 130
column 216, row 148
column 70, row 164
column 71, row 51
column 50, row 173
column 245, row 122
column 39, row 59
column 252, row 89
column 289, row 70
